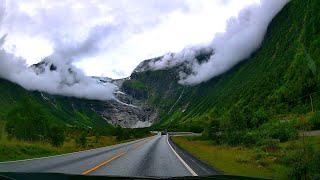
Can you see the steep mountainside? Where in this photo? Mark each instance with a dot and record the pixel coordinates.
(280, 78)
(75, 111)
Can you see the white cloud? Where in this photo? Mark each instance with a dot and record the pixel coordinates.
(243, 35)
(66, 80)
(112, 37)
(121, 33)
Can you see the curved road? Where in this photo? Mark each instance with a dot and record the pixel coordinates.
(149, 157)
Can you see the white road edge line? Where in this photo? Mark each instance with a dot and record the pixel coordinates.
(183, 162)
(70, 153)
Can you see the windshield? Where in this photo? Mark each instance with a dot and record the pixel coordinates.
(160, 89)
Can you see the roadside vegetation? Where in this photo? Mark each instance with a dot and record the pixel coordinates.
(255, 115)
(294, 159)
(260, 147)
(28, 132)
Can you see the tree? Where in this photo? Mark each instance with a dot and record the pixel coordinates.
(28, 121)
(247, 116)
(283, 131)
(56, 136)
(122, 134)
(259, 118)
(214, 129)
(303, 163)
(315, 120)
(82, 139)
(236, 118)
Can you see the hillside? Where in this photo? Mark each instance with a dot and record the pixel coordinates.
(278, 79)
(73, 111)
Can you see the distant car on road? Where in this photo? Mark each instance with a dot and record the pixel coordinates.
(164, 132)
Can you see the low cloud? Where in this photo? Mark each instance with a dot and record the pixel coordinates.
(53, 76)
(243, 35)
(61, 25)
(56, 74)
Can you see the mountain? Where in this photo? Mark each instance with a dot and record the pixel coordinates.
(278, 79)
(74, 111)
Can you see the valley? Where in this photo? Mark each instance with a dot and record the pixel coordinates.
(253, 116)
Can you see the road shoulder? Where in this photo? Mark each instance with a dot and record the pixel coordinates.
(199, 167)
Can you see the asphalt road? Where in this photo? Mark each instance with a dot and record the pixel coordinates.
(149, 157)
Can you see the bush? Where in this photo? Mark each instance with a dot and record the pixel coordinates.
(241, 159)
(236, 118)
(260, 117)
(270, 145)
(2, 125)
(233, 138)
(213, 130)
(247, 115)
(250, 138)
(122, 134)
(283, 131)
(315, 120)
(82, 139)
(303, 163)
(56, 136)
(196, 128)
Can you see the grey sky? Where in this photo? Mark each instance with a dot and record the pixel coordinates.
(111, 37)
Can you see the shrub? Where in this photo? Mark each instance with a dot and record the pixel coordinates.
(260, 117)
(250, 138)
(315, 120)
(122, 134)
(97, 137)
(196, 128)
(214, 130)
(241, 159)
(247, 115)
(262, 162)
(82, 139)
(2, 125)
(236, 118)
(283, 131)
(303, 163)
(233, 138)
(56, 136)
(270, 145)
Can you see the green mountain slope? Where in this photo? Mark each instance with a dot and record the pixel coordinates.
(278, 79)
(66, 110)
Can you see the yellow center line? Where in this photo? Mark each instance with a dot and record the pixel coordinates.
(104, 163)
(115, 157)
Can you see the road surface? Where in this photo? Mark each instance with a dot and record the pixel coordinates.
(149, 157)
(310, 133)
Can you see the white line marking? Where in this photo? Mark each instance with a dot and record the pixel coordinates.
(4, 162)
(183, 162)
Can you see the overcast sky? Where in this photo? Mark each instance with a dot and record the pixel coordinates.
(111, 37)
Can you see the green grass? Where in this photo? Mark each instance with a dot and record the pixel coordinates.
(231, 160)
(313, 141)
(17, 150)
(244, 161)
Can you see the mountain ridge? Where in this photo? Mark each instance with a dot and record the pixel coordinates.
(282, 70)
